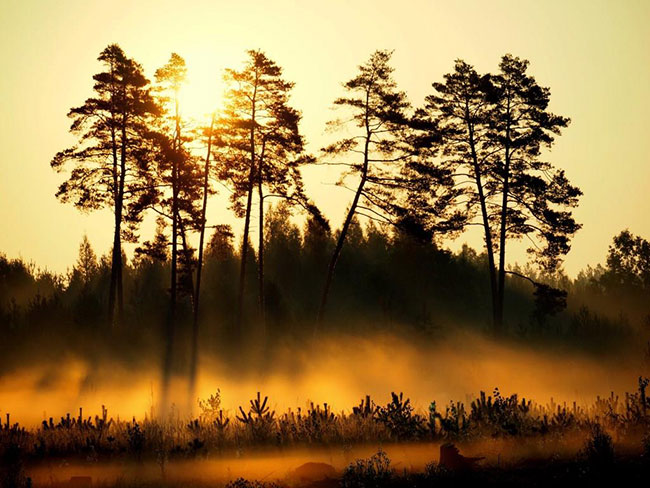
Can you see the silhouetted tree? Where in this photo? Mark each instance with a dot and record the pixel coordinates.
(628, 263)
(260, 146)
(493, 130)
(536, 198)
(178, 172)
(157, 248)
(458, 111)
(199, 265)
(83, 283)
(221, 267)
(377, 112)
(112, 129)
(278, 172)
(283, 245)
(86, 262)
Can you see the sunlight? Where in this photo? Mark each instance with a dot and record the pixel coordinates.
(201, 95)
(203, 92)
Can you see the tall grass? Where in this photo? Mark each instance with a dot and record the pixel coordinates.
(257, 425)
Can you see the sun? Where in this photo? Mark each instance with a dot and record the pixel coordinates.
(200, 97)
(202, 94)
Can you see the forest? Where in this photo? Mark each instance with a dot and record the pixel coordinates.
(473, 155)
(278, 276)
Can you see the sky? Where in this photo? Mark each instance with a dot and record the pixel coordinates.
(592, 54)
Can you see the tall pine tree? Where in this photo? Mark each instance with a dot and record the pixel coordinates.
(110, 163)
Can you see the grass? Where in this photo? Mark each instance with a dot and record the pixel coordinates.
(257, 425)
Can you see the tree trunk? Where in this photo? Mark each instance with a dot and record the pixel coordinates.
(244, 253)
(199, 266)
(188, 255)
(249, 201)
(348, 219)
(175, 191)
(116, 257)
(117, 238)
(485, 219)
(171, 316)
(120, 284)
(504, 223)
(117, 212)
(342, 235)
(260, 257)
(489, 247)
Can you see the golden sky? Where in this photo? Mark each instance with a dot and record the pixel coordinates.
(593, 54)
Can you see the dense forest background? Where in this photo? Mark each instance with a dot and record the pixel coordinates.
(388, 282)
(418, 176)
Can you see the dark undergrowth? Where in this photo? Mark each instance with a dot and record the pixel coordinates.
(256, 426)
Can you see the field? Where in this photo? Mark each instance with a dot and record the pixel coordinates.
(366, 445)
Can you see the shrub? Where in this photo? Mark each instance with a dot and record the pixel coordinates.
(599, 448)
(367, 473)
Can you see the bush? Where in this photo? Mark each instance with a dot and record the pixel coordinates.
(599, 448)
(367, 473)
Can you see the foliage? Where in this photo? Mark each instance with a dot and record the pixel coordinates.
(373, 472)
(399, 418)
(599, 448)
(210, 407)
(114, 139)
(489, 131)
(488, 417)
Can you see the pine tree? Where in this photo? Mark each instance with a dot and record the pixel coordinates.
(113, 140)
(493, 128)
(86, 262)
(458, 110)
(536, 197)
(179, 196)
(260, 147)
(377, 111)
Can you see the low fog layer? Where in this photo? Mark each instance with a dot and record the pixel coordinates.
(337, 370)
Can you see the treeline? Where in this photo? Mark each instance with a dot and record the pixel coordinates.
(390, 282)
(470, 155)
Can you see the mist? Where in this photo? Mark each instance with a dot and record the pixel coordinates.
(338, 370)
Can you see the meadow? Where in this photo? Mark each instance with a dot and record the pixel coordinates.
(510, 432)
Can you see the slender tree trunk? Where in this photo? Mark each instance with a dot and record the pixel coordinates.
(249, 201)
(260, 257)
(244, 253)
(120, 285)
(116, 257)
(348, 220)
(188, 255)
(175, 191)
(342, 235)
(117, 238)
(117, 211)
(199, 266)
(171, 315)
(170, 323)
(489, 247)
(485, 219)
(504, 224)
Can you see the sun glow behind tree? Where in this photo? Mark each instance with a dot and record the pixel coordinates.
(319, 45)
(204, 89)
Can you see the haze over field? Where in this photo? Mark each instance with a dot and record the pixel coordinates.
(338, 371)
